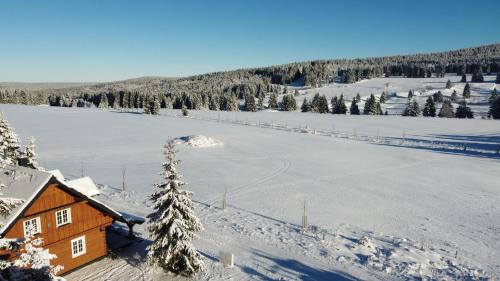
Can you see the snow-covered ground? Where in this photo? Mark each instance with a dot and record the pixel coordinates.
(397, 89)
(387, 197)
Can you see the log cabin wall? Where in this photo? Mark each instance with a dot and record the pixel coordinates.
(85, 220)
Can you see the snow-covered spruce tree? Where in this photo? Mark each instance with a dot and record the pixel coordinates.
(446, 110)
(7, 204)
(412, 108)
(454, 96)
(438, 97)
(494, 101)
(273, 101)
(354, 109)
(464, 78)
(466, 93)
(430, 108)
(498, 78)
(410, 94)
(305, 107)
(463, 111)
(30, 154)
(383, 97)
(173, 223)
(334, 101)
(358, 97)
(371, 107)
(448, 84)
(250, 103)
(9, 143)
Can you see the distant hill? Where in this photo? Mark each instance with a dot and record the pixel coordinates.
(219, 90)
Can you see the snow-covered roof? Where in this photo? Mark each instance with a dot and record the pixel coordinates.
(85, 185)
(20, 183)
(26, 184)
(59, 176)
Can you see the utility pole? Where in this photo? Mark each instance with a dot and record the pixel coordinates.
(124, 177)
(304, 217)
(224, 200)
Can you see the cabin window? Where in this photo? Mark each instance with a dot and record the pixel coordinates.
(78, 246)
(32, 227)
(63, 217)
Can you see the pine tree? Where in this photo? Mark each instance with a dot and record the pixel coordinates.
(430, 108)
(155, 106)
(9, 143)
(493, 100)
(410, 94)
(305, 107)
(354, 109)
(358, 97)
(382, 97)
(463, 111)
(30, 153)
(466, 93)
(438, 96)
(334, 102)
(341, 107)
(477, 77)
(446, 110)
(289, 103)
(103, 101)
(498, 78)
(412, 108)
(464, 78)
(173, 224)
(260, 102)
(371, 106)
(250, 103)
(273, 101)
(454, 96)
(448, 84)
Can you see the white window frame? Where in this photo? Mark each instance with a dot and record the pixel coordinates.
(34, 231)
(83, 244)
(68, 217)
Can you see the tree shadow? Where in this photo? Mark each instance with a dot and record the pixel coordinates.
(292, 268)
(482, 146)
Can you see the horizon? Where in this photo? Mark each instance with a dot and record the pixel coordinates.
(94, 42)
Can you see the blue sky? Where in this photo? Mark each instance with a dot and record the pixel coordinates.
(61, 41)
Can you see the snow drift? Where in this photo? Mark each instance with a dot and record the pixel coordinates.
(198, 141)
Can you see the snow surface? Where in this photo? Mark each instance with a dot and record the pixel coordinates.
(198, 141)
(380, 207)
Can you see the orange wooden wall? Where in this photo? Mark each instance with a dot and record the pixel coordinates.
(85, 220)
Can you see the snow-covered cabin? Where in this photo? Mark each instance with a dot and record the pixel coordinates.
(72, 223)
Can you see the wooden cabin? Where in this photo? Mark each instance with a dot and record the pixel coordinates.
(72, 224)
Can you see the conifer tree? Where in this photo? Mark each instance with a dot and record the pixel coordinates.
(341, 107)
(382, 97)
(173, 224)
(466, 93)
(492, 100)
(412, 108)
(305, 107)
(371, 106)
(446, 110)
(289, 103)
(448, 84)
(497, 81)
(410, 94)
(9, 143)
(379, 109)
(103, 101)
(454, 96)
(334, 102)
(273, 101)
(232, 103)
(358, 97)
(463, 111)
(438, 96)
(30, 153)
(250, 103)
(430, 108)
(464, 78)
(354, 109)
(260, 102)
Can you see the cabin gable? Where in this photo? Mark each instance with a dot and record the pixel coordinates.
(82, 215)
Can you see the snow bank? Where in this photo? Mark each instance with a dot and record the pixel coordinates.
(198, 141)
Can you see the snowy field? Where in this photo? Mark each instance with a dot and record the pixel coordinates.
(397, 90)
(388, 197)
